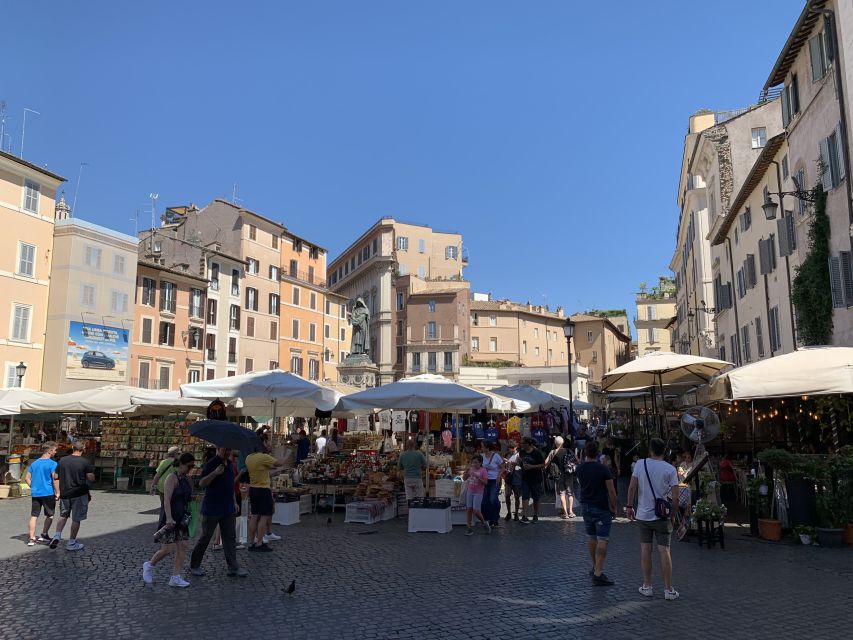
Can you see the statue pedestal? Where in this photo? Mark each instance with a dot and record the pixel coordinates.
(358, 371)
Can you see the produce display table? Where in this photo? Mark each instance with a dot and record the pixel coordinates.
(286, 513)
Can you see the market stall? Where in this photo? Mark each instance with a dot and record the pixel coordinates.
(430, 392)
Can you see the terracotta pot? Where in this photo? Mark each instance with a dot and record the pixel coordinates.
(848, 534)
(770, 529)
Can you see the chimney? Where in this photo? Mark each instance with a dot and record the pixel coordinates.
(62, 210)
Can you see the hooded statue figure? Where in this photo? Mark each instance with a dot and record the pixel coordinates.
(360, 321)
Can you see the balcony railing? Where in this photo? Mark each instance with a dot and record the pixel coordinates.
(155, 384)
(303, 276)
(214, 285)
(235, 289)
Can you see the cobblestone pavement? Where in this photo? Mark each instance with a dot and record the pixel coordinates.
(376, 582)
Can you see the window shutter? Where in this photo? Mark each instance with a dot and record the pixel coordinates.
(795, 96)
(786, 108)
(727, 296)
(774, 339)
(835, 282)
(763, 257)
(826, 178)
(784, 242)
(839, 152)
(814, 51)
(750, 275)
(847, 277)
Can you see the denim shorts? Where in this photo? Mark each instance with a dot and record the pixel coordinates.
(597, 522)
(474, 500)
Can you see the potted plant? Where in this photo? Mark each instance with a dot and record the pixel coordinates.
(759, 498)
(705, 510)
(833, 503)
(804, 534)
(791, 468)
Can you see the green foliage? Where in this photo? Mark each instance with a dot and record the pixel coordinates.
(704, 510)
(811, 288)
(757, 499)
(782, 462)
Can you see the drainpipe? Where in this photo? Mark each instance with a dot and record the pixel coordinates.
(734, 299)
(787, 261)
(767, 311)
(839, 92)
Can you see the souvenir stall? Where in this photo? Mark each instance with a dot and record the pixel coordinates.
(425, 393)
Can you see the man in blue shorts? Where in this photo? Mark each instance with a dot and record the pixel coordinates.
(44, 491)
(598, 497)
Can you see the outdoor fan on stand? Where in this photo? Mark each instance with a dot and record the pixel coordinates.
(699, 425)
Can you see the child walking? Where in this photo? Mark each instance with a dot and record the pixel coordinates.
(477, 478)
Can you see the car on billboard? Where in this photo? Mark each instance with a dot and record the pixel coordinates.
(97, 359)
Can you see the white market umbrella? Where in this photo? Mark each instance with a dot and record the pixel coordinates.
(148, 401)
(112, 398)
(813, 371)
(264, 392)
(10, 405)
(663, 368)
(428, 392)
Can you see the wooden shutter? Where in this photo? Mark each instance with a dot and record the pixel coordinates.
(814, 54)
(786, 108)
(749, 271)
(835, 282)
(839, 153)
(763, 257)
(785, 248)
(727, 295)
(826, 178)
(847, 277)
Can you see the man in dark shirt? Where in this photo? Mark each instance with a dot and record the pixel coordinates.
(598, 497)
(218, 509)
(532, 463)
(74, 473)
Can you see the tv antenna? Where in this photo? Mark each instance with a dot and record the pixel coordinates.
(77, 188)
(135, 219)
(153, 197)
(234, 199)
(24, 128)
(3, 133)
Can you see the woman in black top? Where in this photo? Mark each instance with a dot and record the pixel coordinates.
(174, 518)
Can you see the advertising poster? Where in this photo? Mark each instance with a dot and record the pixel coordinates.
(96, 352)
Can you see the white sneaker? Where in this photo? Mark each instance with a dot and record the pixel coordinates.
(74, 546)
(178, 581)
(647, 591)
(488, 527)
(147, 573)
(240, 546)
(271, 537)
(670, 594)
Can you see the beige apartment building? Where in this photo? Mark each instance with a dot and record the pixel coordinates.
(599, 346)
(90, 319)
(655, 309)
(720, 149)
(27, 209)
(814, 70)
(167, 347)
(525, 335)
(431, 327)
(369, 269)
(757, 319)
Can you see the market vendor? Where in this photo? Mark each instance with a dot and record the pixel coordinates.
(413, 463)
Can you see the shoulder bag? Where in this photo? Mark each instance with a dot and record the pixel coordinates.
(663, 507)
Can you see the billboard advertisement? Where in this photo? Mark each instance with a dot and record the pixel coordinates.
(96, 352)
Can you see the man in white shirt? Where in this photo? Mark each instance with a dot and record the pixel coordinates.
(655, 479)
(321, 443)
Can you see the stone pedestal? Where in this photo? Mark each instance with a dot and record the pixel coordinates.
(358, 371)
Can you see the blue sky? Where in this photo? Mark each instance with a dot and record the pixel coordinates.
(548, 133)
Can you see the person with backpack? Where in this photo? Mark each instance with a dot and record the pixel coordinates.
(562, 465)
(166, 468)
(657, 483)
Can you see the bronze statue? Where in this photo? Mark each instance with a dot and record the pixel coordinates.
(360, 321)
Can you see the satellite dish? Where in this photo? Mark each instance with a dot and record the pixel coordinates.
(700, 424)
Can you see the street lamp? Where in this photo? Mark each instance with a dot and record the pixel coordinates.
(20, 371)
(569, 331)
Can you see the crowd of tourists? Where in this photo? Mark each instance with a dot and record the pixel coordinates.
(582, 471)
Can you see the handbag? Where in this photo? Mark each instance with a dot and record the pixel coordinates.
(663, 507)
